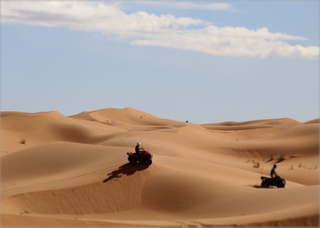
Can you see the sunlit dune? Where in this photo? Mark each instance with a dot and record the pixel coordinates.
(73, 171)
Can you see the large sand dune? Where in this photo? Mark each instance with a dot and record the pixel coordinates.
(73, 171)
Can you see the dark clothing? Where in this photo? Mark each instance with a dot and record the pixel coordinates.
(137, 149)
(273, 172)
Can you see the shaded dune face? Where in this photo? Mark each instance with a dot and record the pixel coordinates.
(119, 191)
(202, 174)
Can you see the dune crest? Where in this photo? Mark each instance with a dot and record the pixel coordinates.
(19, 121)
(126, 116)
(73, 171)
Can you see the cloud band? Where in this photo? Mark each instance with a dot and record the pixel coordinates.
(145, 29)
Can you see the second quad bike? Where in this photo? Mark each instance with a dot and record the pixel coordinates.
(276, 181)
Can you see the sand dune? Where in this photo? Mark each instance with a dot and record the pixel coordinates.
(73, 171)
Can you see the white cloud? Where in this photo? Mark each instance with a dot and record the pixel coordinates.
(142, 28)
(199, 5)
(230, 42)
(211, 6)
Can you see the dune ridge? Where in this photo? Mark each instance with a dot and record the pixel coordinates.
(73, 171)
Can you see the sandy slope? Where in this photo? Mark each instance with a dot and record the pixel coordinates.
(73, 171)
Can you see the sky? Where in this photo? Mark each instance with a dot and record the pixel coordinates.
(201, 61)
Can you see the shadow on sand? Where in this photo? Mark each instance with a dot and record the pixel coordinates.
(126, 169)
(257, 186)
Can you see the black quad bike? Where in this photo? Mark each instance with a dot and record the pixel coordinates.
(145, 158)
(276, 181)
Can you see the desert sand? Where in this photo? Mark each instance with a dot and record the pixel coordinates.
(73, 171)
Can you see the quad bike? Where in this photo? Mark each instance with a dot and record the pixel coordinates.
(145, 158)
(276, 181)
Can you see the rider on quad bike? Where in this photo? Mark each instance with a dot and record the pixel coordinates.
(140, 156)
(273, 172)
(275, 179)
(139, 150)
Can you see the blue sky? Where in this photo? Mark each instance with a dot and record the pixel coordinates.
(202, 61)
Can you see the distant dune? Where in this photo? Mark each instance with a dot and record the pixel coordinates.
(73, 171)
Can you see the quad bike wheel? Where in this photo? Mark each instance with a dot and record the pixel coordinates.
(281, 184)
(132, 160)
(264, 185)
(148, 161)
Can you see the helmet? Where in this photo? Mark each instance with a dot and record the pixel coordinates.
(138, 143)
